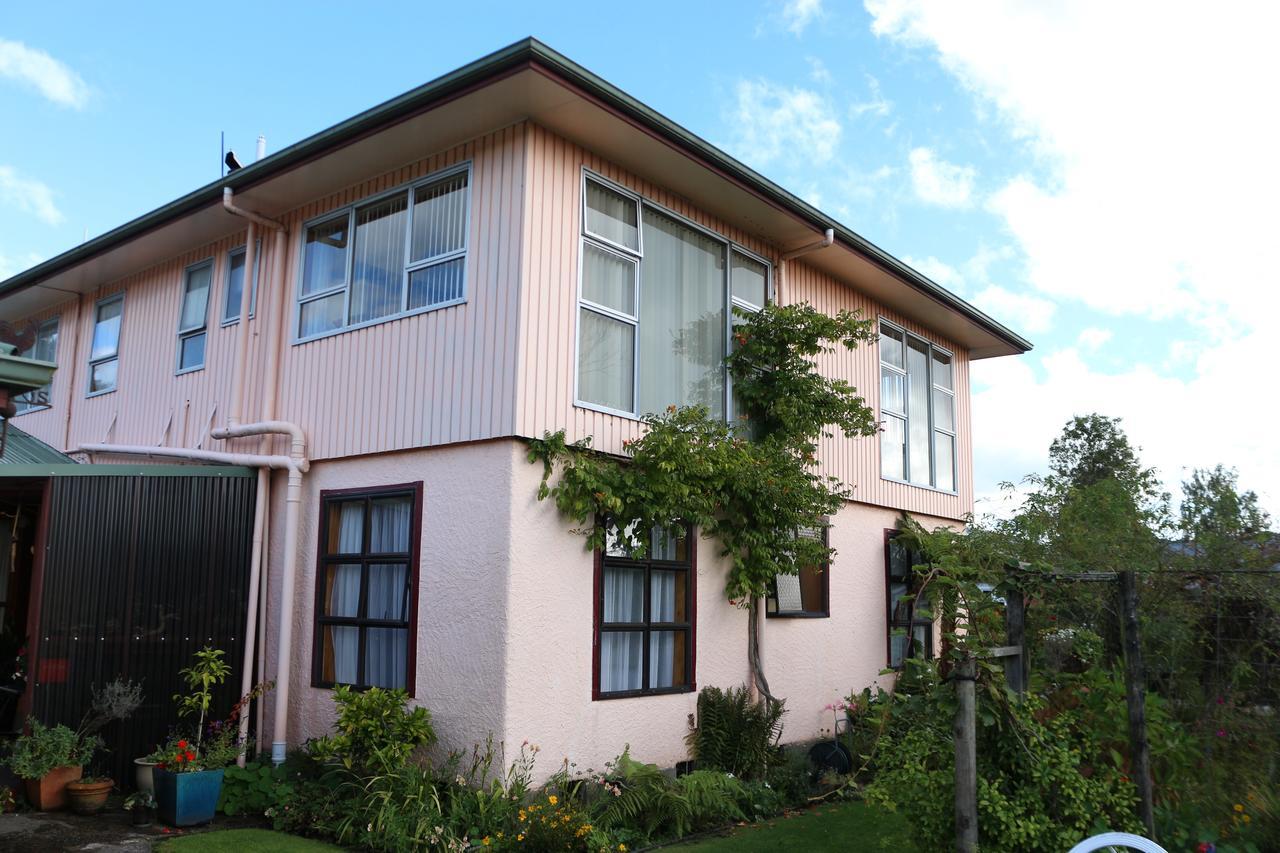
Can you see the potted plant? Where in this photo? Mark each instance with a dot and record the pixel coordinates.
(141, 807)
(144, 772)
(46, 759)
(88, 795)
(117, 700)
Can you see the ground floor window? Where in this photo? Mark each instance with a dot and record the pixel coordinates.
(644, 617)
(807, 593)
(910, 629)
(366, 591)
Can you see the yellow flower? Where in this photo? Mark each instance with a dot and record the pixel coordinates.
(485, 841)
(520, 837)
(1246, 818)
(523, 815)
(622, 848)
(553, 799)
(1238, 807)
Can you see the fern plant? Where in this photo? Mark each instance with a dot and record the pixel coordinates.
(736, 734)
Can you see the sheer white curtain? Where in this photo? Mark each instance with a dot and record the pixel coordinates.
(622, 652)
(344, 594)
(386, 649)
(662, 608)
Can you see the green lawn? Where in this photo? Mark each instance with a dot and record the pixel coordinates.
(241, 840)
(840, 826)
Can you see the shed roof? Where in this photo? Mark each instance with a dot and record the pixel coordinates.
(23, 448)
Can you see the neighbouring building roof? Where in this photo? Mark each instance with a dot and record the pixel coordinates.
(22, 448)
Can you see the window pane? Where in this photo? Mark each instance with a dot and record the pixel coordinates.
(324, 261)
(892, 391)
(345, 527)
(608, 279)
(388, 592)
(439, 217)
(342, 590)
(790, 597)
(339, 650)
(891, 346)
(897, 647)
(944, 453)
(666, 659)
(944, 416)
(665, 546)
(611, 215)
(942, 369)
(623, 594)
(103, 376)
(621, 661)
(918, 410)
(235, 285)
(386, 659)
(191, 353)
(320, 315)
(389, 523)
(606, 359)
(682, 318)
(900, 560)
(377, 275)
(893, 449)
(667, 596)
(106, 330)
(195, 298)
(750, 280)
(436, 284)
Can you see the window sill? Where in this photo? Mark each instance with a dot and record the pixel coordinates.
(188, 370)
(31, 411)
(927, 488)
(233, 321)
(101, 393)
(605, 410)
(798, 614)
(641, 694)
(390, 318)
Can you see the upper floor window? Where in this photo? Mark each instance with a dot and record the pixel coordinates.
(193, 318)
(235, 283)
(394, 255)
(654, 306)
(43, 347)
(917, 407)
(104, 352)
(807, 593)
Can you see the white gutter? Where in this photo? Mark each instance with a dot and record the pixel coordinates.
(249, 460)
(827, 239)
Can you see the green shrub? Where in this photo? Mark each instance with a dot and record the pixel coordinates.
(46, 748)
(375, 730)
(789, 779)
(717, 798)
(734, 733)
(253, 789)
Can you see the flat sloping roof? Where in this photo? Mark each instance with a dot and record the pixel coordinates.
(23, 448)
(526, 80)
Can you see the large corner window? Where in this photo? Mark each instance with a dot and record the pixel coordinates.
(807, 593)
(644, 617)
(397, 254)
(104, 351)
(654, 306)
(366, 594)
(43, 347)
(194, 316)
(917, 411)
(910, 630)
(235, 284)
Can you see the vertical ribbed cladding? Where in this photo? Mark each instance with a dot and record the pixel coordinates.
(140, 572)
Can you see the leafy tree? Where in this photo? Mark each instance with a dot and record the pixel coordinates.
(1226, 528)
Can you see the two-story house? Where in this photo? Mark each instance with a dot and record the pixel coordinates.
(375, 318)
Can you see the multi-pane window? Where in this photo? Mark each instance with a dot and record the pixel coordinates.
(807, 593)
(104, 351)
(43, 347)
(365, 594)
(910, 628)
(654, 306)
(917, 410)
(394, 255)
(193, 318)
(235, 284)
(644, 617)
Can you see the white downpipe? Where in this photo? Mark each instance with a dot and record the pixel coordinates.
(248, 460)
(284, 657)
(298, 443)
(828, 238)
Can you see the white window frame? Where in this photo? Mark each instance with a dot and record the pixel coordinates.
(906, 414)
(231, 320)
(636, 255)
(193, 331)
(349, 212)
(115, 355)
(25, 406)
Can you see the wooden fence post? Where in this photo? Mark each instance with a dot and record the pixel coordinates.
(1016, 669)
(1135, 677)
(966, 739)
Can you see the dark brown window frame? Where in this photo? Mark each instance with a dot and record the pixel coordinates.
(824, 575)
(690, 627)
(910, 623)
(319, 621)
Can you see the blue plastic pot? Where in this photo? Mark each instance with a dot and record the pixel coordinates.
(186, 799)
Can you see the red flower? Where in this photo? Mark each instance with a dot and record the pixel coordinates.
(191, 756)
(178, 758)
(182, 744)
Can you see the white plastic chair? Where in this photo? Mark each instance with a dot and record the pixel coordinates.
(1118, 839)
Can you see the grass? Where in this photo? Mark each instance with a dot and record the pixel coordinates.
(240, 840)
(840, 826)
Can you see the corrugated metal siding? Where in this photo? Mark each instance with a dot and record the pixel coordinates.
(21, 448)
(548, 318)
(139, 573)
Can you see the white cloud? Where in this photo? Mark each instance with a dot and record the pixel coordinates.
(818, 71)
(797, 15)
(28, 195)
(876, 103)
(939, 182)
(1093, 338)
(13, 264)
(939, 271)
(42, 72)
(775, 122)
(1026, 313)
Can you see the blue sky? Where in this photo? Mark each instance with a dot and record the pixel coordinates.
(1100, 178)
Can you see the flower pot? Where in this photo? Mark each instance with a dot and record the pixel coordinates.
(187, 799)
(88, 797)
(142, 815)
(143, 779)
(49, 792)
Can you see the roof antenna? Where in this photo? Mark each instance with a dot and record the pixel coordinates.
(262, 148)
(222, 152)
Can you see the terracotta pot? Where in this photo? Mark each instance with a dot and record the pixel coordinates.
(49, 793)
(88, 797)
